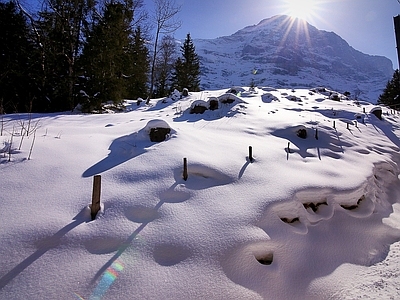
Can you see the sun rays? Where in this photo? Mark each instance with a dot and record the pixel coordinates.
(303, 9)
(299, 14)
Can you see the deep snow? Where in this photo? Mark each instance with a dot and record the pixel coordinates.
(305, 219)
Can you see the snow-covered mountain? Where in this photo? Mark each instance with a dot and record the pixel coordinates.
(286, 52)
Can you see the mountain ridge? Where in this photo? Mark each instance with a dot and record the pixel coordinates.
(287, 52)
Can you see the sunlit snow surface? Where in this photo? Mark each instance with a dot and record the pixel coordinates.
(305, 218)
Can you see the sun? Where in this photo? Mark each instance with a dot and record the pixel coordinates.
(303, 9)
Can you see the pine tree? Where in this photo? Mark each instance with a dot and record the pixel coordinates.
(137, 76)
(60, 28)
(187, 67)
(391, 94)
(106, 56)
(18, 63)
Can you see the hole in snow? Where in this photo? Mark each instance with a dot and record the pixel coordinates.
(265, 259)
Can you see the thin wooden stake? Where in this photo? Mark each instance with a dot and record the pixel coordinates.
(364, 110)
(94, 209)
(348, 126)
(316, 133)
(185, 171)
(288, 147)
(334, 124)
(251, 153)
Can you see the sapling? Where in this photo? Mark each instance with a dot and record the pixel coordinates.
(10, 145)
(33, 142)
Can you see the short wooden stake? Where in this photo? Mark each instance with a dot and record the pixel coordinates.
(364, 110)
(316, 133)
(251, 153)
(348, 126)
(94, 209)
(334, 124)
(185, 171)
(356, 124)
(288, 147)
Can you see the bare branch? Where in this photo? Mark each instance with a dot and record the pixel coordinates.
(165, 12)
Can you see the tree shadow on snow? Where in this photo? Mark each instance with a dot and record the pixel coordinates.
(46, 245)
(387, 128)
(327, 139)
(122, 149)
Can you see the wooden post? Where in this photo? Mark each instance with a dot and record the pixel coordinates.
(348, 126)
(94, 209)
(316, 133)
(364, 110)
(334, 124)
(288, 147)
(185, 171)
(251, 153)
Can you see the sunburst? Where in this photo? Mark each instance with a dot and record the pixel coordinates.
(303, 9)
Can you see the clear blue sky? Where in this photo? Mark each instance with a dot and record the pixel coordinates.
(367, 25)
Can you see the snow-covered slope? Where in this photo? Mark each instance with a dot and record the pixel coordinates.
(315, 214)
(286, 52)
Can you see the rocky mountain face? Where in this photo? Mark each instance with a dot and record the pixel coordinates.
(290, 53)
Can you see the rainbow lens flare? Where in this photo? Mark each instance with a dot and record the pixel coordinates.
(106, 280)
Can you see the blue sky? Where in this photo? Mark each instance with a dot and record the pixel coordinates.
(367, 25)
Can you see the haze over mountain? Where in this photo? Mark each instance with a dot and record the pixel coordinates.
(286, 52)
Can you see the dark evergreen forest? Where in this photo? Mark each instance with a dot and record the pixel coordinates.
(89, 53)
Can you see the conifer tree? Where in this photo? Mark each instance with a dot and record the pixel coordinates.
(391, 94)
(106, 56)
(18, 64)
(137, 75)
(60, 28)
(187, 67)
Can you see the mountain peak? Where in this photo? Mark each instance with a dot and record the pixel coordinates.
(289, 52)
(278, 22)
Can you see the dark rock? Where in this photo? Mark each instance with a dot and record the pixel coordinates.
(159, 134)
(302, 133)
(198, 109)
(214, 104)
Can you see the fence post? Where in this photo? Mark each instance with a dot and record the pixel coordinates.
(94, 209)
(251, 153)
(185, 171)
(316, 133)
(334, 124)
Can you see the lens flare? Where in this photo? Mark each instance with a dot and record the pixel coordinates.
(109, 276)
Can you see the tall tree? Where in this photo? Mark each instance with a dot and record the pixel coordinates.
(60, 29)
(18, 63)
(164, 66)
(137, 76)
(391, 94)
(187, 67)
(165, 12)
(106, 58)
